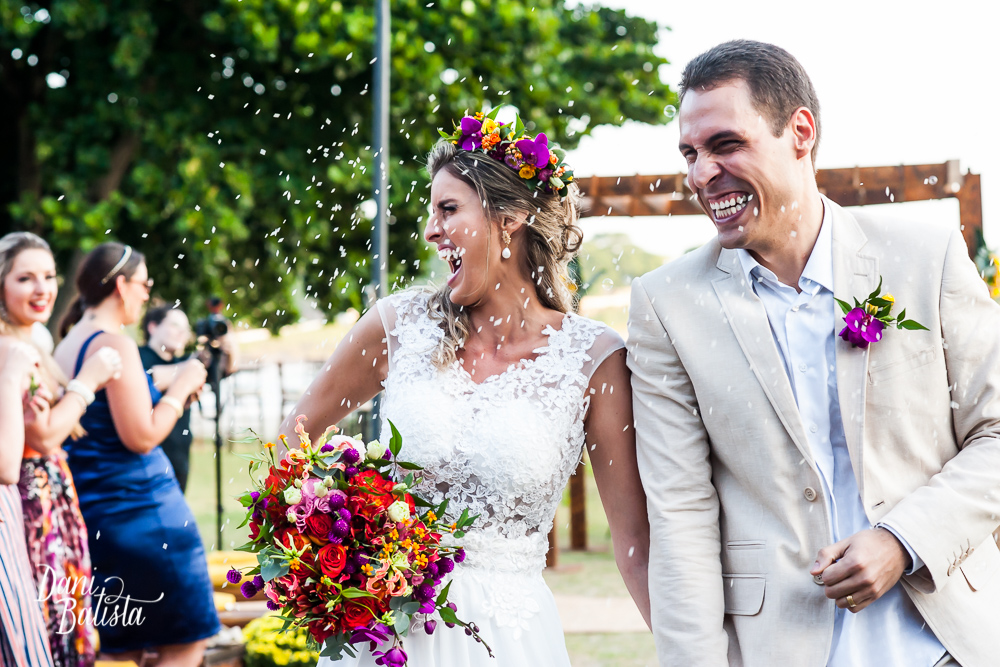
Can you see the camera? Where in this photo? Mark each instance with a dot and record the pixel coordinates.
(215, 326)
(212, 327)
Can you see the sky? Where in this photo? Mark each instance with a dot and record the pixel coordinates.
(898, 83)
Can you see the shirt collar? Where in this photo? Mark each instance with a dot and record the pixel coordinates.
(819, 266)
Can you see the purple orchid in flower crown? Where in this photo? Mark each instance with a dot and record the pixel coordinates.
(472, 133)
(866, 320)
(535, 151)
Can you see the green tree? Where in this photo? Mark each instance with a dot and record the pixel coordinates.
(229, 139)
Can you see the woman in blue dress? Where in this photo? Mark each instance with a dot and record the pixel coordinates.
(152, 591)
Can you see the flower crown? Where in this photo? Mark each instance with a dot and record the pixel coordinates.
(541, 167)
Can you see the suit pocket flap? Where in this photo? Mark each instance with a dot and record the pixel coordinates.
(744, 593)
(981, 567)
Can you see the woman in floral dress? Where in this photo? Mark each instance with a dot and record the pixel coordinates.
(55, 534)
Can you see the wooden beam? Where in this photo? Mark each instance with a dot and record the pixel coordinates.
(667, 194)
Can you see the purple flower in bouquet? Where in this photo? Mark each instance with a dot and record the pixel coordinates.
(341, 528)
(460, 555)
(273, 606)
(423, 593)
(445, 565)
(337, 499)
(862, 328)
(394, 657)
(258, 582)
(234, 576)
(535, 151)
(429, 627)
(376, 634)
(472, 133)
(248, 589)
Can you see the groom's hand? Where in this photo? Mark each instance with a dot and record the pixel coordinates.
(864, 566)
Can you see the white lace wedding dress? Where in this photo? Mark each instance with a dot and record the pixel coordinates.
(504, 448)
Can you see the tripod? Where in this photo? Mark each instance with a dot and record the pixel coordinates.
(215, 382)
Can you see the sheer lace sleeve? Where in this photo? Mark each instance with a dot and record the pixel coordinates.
(401, 313)
(607, 343)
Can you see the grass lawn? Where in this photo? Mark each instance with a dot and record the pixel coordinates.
(591, 573)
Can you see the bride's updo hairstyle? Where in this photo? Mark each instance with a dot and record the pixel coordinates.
(551, 236)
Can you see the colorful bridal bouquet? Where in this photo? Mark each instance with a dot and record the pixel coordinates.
(866, 320)
(343, 550)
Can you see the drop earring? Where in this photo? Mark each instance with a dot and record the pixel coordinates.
(505, 235)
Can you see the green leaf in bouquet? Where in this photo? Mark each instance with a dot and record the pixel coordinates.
(272, 568)
(249, 547)
(420, 502)
(493, 114)
(401, 624)
(408, 480)
(396, 442)
(354, 593)
(911, 325)
(448, 615)
(406, 465)
(844, 306)
(410, 608)
(459, 534)
(246, 520)
(443, 595)
(396, 603)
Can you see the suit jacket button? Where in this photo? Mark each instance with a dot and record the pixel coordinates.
(809, 493)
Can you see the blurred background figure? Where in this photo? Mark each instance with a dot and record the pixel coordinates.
(23, 639)
(128, 493)
(55, 534)
(168, 333)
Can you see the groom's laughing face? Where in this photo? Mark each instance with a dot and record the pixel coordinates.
(743, 175)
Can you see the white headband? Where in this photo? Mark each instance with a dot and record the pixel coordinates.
(118, 267)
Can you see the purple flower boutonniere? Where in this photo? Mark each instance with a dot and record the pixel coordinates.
(867, 319)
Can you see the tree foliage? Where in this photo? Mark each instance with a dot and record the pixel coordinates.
(230, 139)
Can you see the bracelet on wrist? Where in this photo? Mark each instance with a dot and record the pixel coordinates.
(174, 403)
(82, 390)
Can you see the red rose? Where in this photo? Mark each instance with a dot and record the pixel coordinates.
(332, 559)
(357, 614)
(319, 525)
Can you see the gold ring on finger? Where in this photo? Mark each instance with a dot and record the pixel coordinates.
(850, 602)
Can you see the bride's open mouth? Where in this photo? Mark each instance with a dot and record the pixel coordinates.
(454, 258)
(727, 208)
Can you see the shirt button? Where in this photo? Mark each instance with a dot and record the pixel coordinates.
(795, 309)
(813, 428)
(802, 368)
(809, 493)
(818, 579)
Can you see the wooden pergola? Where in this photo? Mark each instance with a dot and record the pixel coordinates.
(668, 195)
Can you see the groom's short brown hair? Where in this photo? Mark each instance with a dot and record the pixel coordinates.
(777, 81)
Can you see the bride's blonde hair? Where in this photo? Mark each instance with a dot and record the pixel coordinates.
(551, 237)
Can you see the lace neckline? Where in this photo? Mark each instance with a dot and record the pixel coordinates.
(521, 365)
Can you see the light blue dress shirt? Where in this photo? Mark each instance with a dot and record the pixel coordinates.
(890, 632)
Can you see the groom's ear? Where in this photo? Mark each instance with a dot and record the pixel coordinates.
(803, 127)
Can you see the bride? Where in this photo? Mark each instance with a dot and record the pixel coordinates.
(496, 387)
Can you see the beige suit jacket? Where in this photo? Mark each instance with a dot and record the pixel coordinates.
(735, 499)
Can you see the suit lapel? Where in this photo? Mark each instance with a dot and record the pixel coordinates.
(854, 275)
(749, 322)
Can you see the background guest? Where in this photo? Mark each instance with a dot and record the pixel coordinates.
(128, 493)
(23, 640)
(167, 334)
(55, 534)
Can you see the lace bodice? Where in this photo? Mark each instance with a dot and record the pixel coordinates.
(504, 448)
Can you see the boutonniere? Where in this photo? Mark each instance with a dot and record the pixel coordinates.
(866, 319)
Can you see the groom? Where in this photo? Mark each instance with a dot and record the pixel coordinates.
(811, 502)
